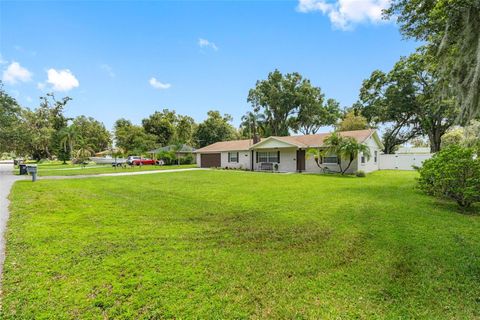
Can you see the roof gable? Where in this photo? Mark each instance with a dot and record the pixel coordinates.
(233, 145)
(303, 141)
(273, 142)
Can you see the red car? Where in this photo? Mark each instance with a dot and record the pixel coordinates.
(137, 161)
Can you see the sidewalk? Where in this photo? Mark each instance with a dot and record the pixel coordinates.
(7, 178)
(100, 175)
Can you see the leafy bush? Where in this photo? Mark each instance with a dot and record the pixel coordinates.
(453, 173)
(188, 159)
(360, 174)
(168, 157)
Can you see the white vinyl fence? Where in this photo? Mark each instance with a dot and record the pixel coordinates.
(401, 161)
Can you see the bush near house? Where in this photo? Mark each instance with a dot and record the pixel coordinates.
(453, 173)
(360, 174)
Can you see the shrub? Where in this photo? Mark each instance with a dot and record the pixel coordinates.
(168, 157)
(452, 173)
(188, 159)
(360, 174)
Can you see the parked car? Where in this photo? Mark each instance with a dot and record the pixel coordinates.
(119, 162)
(137, 161)
(130, 159)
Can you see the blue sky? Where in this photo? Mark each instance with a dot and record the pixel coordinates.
(128, 59)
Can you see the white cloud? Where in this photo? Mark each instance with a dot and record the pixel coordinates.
(108, 70)
(16, 73)
(204, 43)
(159, 85)
(345, 13)
(61, 80)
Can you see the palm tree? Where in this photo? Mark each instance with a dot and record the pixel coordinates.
(350, 148)
(68, 137)
(84, 151)
(254, 123)
(344, 148)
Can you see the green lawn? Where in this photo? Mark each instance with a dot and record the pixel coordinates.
(55, 169)
(224, 244)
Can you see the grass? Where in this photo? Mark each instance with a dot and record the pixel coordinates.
(223, 244)
(58, 169)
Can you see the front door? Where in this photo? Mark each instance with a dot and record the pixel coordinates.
(300, 160)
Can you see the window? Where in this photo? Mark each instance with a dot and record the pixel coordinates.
(330, 160)
(233, 157)
(363, 159)
(271, 156)
(375, 156)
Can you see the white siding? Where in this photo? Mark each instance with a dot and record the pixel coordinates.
(198, 160)
(312, 167)
(243, 160)
(402, 161)
(370, 165)
(288, 159)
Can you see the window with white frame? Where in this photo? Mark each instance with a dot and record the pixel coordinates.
(363, 159)
(330, 160)
(375, 156)
(268, 156)
(233, 157)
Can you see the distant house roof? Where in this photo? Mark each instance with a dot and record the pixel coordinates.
(179, 149)
(412, 150)
(303, 141)
(108, 152)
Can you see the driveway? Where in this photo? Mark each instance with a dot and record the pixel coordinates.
(6, 181)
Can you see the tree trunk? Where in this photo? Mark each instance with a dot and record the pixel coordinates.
(351, 160)
(389, 149)
(435, 138)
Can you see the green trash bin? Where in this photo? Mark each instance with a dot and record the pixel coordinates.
(23, 169)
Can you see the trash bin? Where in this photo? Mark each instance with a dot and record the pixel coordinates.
(23, 169)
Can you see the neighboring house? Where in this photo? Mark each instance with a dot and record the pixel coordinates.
(287, 154)
(413, 150)
(180, 151)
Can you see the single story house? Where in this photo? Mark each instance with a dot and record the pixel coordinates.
(181, 151)
(287, 154)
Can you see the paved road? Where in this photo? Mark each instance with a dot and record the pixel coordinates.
(6, 181)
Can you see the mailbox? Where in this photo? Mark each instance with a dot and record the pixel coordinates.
(32, 170)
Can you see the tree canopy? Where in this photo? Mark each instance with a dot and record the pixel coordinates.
(215, 128)
(450, 30)
(132, 139)
(409, 101)
(352, 121)
(290, 102)
(11, 120)
(170, 128)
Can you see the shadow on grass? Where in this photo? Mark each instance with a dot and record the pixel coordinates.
(450, 205)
